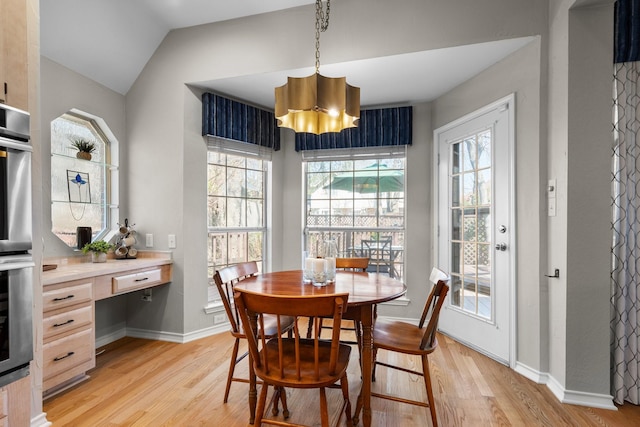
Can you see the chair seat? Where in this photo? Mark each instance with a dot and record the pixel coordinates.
(399, 336)
(307, 377)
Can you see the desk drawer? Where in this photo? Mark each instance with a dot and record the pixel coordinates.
(67, 321)
(141, 280)
(67, 296)
(67, 352)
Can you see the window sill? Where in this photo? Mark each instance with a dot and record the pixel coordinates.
(213, 307)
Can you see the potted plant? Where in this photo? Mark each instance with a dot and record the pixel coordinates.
(84, 147)
(98, 250)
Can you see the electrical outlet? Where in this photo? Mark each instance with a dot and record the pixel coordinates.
(146, 295)
(219, 318)
(172, 241)
(149, 240)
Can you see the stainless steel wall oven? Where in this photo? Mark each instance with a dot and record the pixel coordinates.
(16, 262)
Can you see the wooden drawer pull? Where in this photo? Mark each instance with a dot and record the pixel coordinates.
(57, 359)
(141, 280)
(64, 298)
(55, 325)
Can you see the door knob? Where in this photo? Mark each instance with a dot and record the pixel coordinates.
(501, 246)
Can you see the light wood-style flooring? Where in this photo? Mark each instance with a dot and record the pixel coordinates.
(141, 382)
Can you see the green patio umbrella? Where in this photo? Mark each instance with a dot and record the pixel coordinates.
(371, 179)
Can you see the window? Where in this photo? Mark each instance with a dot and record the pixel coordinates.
(82, 194)
(236, 193)
(358, 202)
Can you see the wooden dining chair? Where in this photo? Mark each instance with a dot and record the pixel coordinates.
(407, 338)
(225, 279)
(296, 362)
(358, 264)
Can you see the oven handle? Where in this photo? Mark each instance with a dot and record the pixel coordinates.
(16, 262)
(11, 143)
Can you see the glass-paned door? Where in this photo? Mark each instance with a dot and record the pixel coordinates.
(475, 228)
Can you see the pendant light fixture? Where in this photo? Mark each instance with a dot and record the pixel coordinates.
(318, 104)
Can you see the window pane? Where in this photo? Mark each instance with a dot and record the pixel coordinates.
(255, 246)
(254, 184)
(255, 164)
(484, 149)
(236, 212)
(469, 154)
(236, 186)
(217, 212)
(469, 195)
(254, 213)
(456, 158)
(216, 182)
(214, 157)
(237, 249)
(484, 187)
(236, 161)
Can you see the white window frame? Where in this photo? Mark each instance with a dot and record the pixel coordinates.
(370, 153)
(229, 147)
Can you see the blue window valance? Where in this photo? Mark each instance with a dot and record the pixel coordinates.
(226, 118)
(377, 128)
(627, 31)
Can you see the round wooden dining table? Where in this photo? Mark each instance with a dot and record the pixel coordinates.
(365, 291)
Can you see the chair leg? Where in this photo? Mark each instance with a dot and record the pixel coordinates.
(324, 412)
(320, 330)
(374, 364)
(358, 329)
(261, 405)
(275, 401)
(310, 327)
(232, 368)
(345, 395)
(283, 399)
(427, 383)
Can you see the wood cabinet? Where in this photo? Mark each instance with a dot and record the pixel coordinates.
(69, 336)
(69, 296)
(15, 400)
(13, 54)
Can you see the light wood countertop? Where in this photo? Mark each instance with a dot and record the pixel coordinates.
(80, 267)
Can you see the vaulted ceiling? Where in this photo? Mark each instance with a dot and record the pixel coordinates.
(119, 36)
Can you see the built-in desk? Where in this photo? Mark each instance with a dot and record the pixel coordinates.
(69, 294)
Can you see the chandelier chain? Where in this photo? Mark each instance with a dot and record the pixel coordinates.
(322, 23)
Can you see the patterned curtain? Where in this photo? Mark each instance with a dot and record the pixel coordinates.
(625, 279)
(626, 228)
(229, 119)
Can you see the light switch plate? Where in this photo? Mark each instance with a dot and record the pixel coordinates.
(149, 240)
(172, 241)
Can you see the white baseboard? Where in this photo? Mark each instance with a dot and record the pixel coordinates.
(40, 421)
(159, 335)
(572, 397)
(532, 374)
(111, 337)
